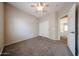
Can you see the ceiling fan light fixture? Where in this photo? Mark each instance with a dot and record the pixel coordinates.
(40, 6)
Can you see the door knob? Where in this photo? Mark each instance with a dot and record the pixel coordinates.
(72, 32)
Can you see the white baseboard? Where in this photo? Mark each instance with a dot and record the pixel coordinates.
(13, 42)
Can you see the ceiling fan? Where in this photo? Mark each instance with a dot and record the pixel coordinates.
(40, 6)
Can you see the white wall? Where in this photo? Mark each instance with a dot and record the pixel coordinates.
(1, 27)
(48, 26)
(71, 24)
(44, 27)
(53, 26)
(19, 25)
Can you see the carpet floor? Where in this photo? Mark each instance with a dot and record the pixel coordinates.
(38, 46)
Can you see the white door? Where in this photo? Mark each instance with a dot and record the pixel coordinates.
(71, 28)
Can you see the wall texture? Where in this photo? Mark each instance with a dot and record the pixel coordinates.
(1, 27)
(19, 25)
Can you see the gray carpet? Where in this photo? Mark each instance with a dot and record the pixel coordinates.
(38, 46)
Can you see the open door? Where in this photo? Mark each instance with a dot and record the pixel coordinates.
(72, 29)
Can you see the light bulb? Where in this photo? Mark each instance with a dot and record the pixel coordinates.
(40, 8)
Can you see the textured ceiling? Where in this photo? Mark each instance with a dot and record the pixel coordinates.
(53, 7)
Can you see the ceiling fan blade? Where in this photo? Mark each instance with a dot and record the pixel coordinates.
(45, 5)
(41, 3)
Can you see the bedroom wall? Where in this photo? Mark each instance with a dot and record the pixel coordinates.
(53, 26)
(44, 27)
(1, 27)
(19, 25)
(48, 26)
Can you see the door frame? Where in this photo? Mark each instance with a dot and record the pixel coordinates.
(65, 14)
(76, 32)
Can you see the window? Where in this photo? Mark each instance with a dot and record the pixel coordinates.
(65, 27)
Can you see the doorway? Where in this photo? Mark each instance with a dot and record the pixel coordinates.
(63, 29)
